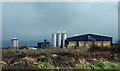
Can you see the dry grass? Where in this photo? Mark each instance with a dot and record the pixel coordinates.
(56, 57)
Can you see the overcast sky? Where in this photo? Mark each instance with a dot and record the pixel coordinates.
(35, 21)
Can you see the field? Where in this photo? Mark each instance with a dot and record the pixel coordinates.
(60, 59)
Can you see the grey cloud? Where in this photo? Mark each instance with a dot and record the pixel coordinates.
(32, 21)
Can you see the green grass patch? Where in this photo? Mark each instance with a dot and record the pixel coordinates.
(45, 65)
(100, 65)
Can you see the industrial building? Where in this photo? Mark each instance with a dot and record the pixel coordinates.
(43, 45)
(15, 42)
(58, 39)
(88, 40)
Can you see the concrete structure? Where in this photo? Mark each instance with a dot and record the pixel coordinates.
(54, 40)
(63, 38)
(59, 39)
(15, 43)
(89, 40)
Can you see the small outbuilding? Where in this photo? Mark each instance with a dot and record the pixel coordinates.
(33, 47)
(89, 40)
(43, 45)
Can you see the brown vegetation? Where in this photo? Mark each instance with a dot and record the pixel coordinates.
(62, 58)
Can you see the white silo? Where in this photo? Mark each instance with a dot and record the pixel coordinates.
(59, 39)
(54, 40)
(63, 38)
(15, 42)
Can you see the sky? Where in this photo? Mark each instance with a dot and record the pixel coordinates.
(59, 0)
(33, 22)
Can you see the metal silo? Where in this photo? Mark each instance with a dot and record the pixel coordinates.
(15, 42)
(59, 39)
(63, 38)
(54, 40)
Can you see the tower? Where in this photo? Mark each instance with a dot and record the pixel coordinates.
(59, 39)
(63, 39)
(53, 40)
(15, 42)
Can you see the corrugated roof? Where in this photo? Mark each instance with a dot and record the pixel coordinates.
(85, 38)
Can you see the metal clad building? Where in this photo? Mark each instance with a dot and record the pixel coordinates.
(89, 40)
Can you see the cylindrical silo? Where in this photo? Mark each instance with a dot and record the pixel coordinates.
(15, 42)
(54, 40)
(59, 39)
(63, 38)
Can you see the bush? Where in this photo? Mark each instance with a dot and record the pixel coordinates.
(98, 48)
(100, 65)
(43, 59)
(111, 65)
(23, 47)
(12, 48)
(92, 66)
(45, 65)
(94, 48)
(115, 49)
